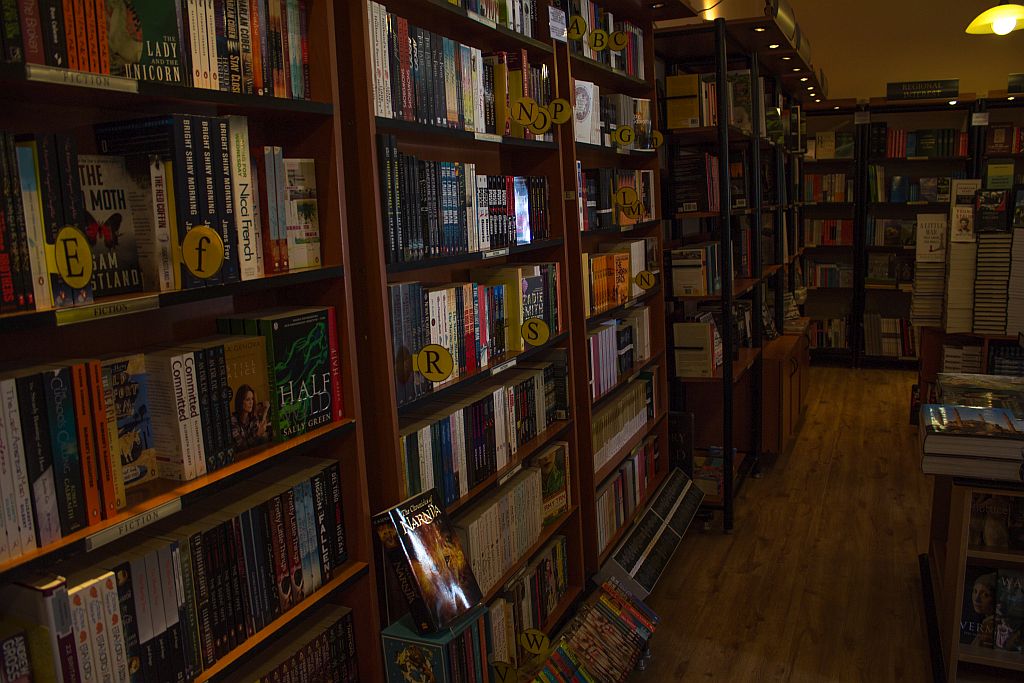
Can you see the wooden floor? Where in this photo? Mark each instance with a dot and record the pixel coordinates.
(819, 581)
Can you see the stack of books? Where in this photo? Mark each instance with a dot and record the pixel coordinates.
(1006, 359)
(991, 282)
(964, 358)
(892, 337)
(617, 421)
(1015, 293)
(929, 270)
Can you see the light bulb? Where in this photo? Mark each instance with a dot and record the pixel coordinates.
(1003, 25)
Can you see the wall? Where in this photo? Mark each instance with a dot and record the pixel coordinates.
(863, 44)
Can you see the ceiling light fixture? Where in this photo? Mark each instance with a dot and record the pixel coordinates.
(786, 59)
(796, 69)
(803, 79)
(773, 46)
(760, 29)
(1011, 98)
(836, 107)
(952, 102)
(1000, 20)
(817, 100)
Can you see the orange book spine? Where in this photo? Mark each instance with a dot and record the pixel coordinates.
(71, 34)
(102, 39)
(81, 33)
(103, 451)
(86, 443)
(256, 33)
(92, 45)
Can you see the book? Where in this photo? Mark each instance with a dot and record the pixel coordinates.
(129, 423)
(423, 550)
(303, 223)
(1009, 611)
(981, 432)
(250, 401)
(978, 613)
(443, 656)
(990, 515)
(145, 41)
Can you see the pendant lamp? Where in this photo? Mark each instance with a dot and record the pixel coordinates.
(1001, 19)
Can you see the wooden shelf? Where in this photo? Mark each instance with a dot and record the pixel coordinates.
(497, 366)
(592, 150)
(35, 83)
(567, 601)
(829, 162)
(608, 79)
(1005, 555)
(522, 453)
(626, 379)
(420, 133)
(740, 286)
(915, 206)
(163, 497)
(740, 365)
(546, 534)
(106, 309)
(596, 319)
(621, 532)
(612, 465)
(706, 135)
(713, 214)
(350, 571)
(621, 231)
(770, 270)
(827, 205)
(469, 258)
(897, 160)
(990, 657)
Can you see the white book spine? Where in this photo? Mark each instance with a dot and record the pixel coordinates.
(16, 458)
(169, 580)
(375, 66)
(472, 226)
(155, 254)
(245, 206)
(168, 407)
(11, 534)
(152, 577)
(195, 460)
(85, 644)
(257, 218)
(140, 595)
(478, 91)
(107, 585)
(387, 25)
(196, 19)
(96, 613)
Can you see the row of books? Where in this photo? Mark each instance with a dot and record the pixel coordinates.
(176, 601)
(697, 346)
(615, 346)
(79, 436)
(826, 188)
(692, 100)
(892, 337)
(605, 639)
(516, 15)
(477, 322)
(1005, 359)
(821, 275)
(1015, 288)
(252, 47)
(902, 188)
(962, 358)
(696, 269)
(899, 143)
(609, 277)
(458, 653)
(694, 181)
(890, 232)
(626, 489)
(516, 509)
(992, 615)
(991, 281)
(457, 446)
(829, 333)
(428, 78)
(130, 214)
(830, 144)
(596, 197)
(599, 115)
(963, 440)
(441, 208)
(1004, 138)
(618, 420)
(630, 60)
(320, 646)
(828, 232)
(527, 601)
(888, 268)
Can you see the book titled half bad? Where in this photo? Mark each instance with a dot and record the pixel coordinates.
(432, 570)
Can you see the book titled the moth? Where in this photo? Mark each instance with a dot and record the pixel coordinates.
(424, 551)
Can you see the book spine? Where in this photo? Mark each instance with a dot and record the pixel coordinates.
(86, 443)
(222, 403)
(194, 19)
(407, 581)
(233, 45)
(337, 408)
(304, 45)
(262, 533)
(188, 617)
(31, 32)
(247, 573)
(303, 527)
(204, 390)
(73, 209)
(213, 52)
(113, 624)
(245, 45)
(281, 203)
(225, 195)
(291, 530)
(207, 182)
(234, 588)
(91, 36)
(282, 566)
(220, 65)
(100, 633)
(38, 462)
(201, 584)
(102, 38)
(218, 603)
(84, 644)
(51, 14)
(18, 262)
(256, 40)
(320, 525)
(336, 517)
(96, 415)
(66, 461)
(13, 48)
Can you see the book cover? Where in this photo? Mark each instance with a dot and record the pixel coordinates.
(989, 521)
(1017, 209)
(131, 435)
(553, 463)
(413, 656)
(113, 199)
(991, 211)
(433, 573)
(1009, 619)
(962, 229)
(145, 41)
(302, 214)
(250, 405)
(931, 237)
(15, 664)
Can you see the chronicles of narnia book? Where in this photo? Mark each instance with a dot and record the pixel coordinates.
(433, 572)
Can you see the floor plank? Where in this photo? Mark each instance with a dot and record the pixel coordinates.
(819, 581)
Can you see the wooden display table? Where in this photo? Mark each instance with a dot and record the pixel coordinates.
(949, 554)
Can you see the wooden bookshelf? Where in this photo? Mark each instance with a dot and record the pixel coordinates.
(40, 99)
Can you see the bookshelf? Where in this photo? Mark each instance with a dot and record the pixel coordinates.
(54, 100)
(752, 224)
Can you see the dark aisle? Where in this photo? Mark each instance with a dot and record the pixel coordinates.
(819, 581)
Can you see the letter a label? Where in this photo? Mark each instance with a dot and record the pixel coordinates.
(74, 257)
(202, 250)
(435, 362)
(577, 27)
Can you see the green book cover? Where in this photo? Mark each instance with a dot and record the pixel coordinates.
(145, 40)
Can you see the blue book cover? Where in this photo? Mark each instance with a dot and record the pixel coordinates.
(302, 526)
(899, 189)
(67, 465)
(313, 547)
(412, 656)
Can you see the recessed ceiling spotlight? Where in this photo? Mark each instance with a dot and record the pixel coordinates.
(817, 100)
(810, 87)
(796, 69)
(1011, 98)
(802, 80)
(773, 46)
(786, 59)
(760, 29)
(835, 107)
(952, 102)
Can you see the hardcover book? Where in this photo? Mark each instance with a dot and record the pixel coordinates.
(1009, 619)
(302, 215)
(251, 417)
(553, 463)
(114, 201)
(432, 570)
(412, 656)
(145, 40)
(977, 616)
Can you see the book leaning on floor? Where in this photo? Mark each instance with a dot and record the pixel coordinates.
(972, 442)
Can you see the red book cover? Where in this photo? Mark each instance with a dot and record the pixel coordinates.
(81, 35)
(31, 31)
(263, 161)
(405, 70)
(99, 421)
(71, 34)
(102, 46)
(338, 408)
(286, 71)
(86, 443)
(92, 36)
